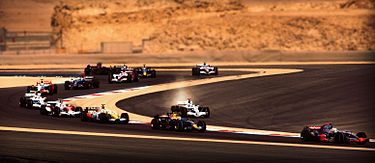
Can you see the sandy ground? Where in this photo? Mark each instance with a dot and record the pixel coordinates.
(18, 81)
(170, 26)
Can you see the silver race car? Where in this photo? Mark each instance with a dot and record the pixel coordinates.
(32, 100)
(188, 109)
(60, 109)
(44, 87)
(204, 69)
(122, 74)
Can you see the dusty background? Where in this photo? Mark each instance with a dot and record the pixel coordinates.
(174, 26)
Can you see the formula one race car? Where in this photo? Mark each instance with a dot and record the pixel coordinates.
(204, 69)
(100, 114)
(188, 109)
(146, 72)
(86, 82)
(32, 100)
(98, 69)
(172, 121)
(326, 133)
(60, 109)
(44, 87)
(122, 74)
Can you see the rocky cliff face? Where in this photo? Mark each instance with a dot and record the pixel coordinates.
(164, 26)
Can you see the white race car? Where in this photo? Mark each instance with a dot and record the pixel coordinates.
(100, 114)
(32, 100)
(188, 109)
(60, 109)
(204, 69)
(122, 74)
(44, 87)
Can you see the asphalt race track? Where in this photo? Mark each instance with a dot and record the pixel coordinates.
(339, 93)
(342, 94)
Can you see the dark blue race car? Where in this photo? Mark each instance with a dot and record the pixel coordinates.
(86, 82)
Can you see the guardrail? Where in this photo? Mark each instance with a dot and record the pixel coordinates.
(24, 40)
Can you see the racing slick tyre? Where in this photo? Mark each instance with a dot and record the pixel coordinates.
(361, 135)
(201, 126)
(22, 101)
(51, 90)
(78, 109)
(29, 104)
(103, 118)
(183, 112)
(216, 71)
(129, 79)
(153, 74)
(28, 89)
(67, 85)
(339, 138)
(84, 117)
(54, 89)
(155, 124)
(125, 116)
(135, 76)
(95, 83)
(43, 110)
(56, 112)
(206, 110)
(305, 134)
(110, 78)
(195, 71)
(180, 126)
(174, 109)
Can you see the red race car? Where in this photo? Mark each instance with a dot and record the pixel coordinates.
(44, 87)
(326, 133)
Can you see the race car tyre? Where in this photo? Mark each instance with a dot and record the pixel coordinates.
(180, 126)
(202, 126)
(129, 78)
(55, 88)
(153, 74)
(56, 112)
(110, 78)
(125, 116)
(29, 104)
(136, 78)
(22, 101)
(43, 110)
(174, 109)
(195, 72)
(84, 116)
(28, 89)
(305, 134)
(103, 118)
(216, 71)
(361, 135)
(50, 90)
(172, 125)
(67, 85)
(207, 110)
(183, 112)
(155, 124)
(95, 83)
(339, 138)
(78, 108)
